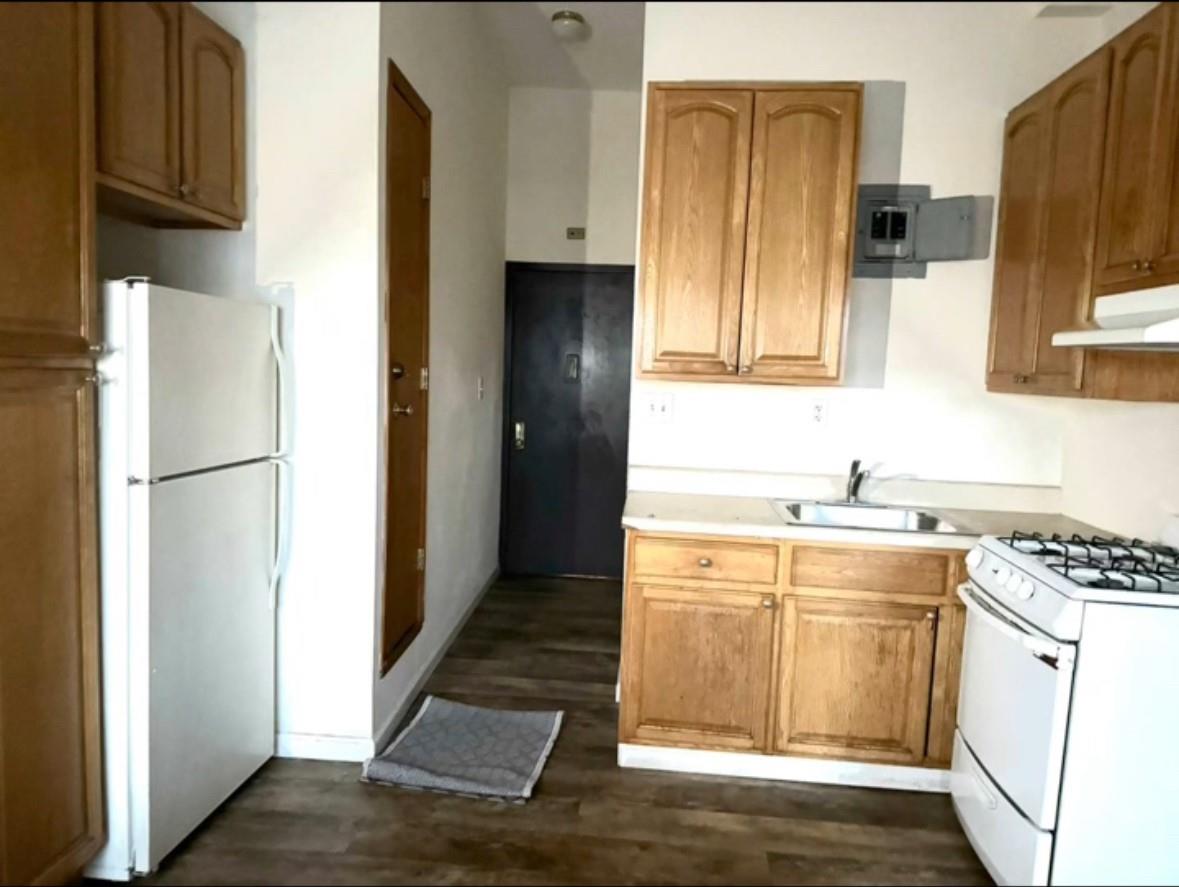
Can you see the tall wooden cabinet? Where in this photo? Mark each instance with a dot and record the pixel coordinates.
(748, 210)
(171, 116)
(1089, 206)
(1052, 153)
(50, 767)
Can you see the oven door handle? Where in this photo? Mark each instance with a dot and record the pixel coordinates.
(1047, 651)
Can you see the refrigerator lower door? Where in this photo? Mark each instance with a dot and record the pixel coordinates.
(202, 548)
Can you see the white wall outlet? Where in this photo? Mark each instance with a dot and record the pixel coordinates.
(817, 412)
(658, 407)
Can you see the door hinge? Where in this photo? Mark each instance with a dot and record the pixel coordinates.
(421, 558)
(425, 188)
(425, 379)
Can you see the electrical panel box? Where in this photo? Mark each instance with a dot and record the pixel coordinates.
(900, 227)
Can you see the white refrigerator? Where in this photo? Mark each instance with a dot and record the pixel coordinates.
(191, 476)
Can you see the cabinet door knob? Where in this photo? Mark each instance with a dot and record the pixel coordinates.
(1148, 265)
(1136, 265)
(705, 562)
(747, 369)
(184, 190)
(768, 603)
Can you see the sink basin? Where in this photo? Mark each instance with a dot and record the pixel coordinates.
(862, 517)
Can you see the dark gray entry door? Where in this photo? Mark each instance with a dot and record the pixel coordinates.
(566, 418)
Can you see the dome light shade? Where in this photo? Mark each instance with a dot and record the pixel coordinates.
(569, 26)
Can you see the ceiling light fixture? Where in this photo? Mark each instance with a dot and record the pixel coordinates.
(569, 26)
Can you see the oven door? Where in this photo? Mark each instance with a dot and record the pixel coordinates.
(1013, 704)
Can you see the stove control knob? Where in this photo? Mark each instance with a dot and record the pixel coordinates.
(1013, 584)
(1026, 590)
(974, 557)
(1002, 574)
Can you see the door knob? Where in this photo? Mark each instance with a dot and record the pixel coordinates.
(402, 410)
(396, 370)
(705, 562)
(518, 436)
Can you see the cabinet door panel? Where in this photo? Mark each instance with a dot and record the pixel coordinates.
(213, 115)
(1017, 256)
(697, 178)
(855, 680)
(696, 667)
(1130, 179)
(139, 93)
(801, 204)
(46, 188)
(50, 769)
(1076, 114)
(1166, 249)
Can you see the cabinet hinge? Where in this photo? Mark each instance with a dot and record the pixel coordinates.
(425, 188)
(425, 379)
(421, 558)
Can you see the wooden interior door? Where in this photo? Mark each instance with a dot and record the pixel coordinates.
(706, 680)
(855, 679)
(1018, 262)
(696, 185)
(46, 188)
(138, 100)
(213, 85)
(1132, 176)
(407, 166)
(802, 196)
(51, 818)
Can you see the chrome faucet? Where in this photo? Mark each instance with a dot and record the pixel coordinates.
(855, 478)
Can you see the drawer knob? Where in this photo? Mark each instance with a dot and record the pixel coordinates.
(705, 562)
(768, 603)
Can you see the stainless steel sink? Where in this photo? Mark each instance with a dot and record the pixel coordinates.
(862, 517)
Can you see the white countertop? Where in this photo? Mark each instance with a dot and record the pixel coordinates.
(750, 516)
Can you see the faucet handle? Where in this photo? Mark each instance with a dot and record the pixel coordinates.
(855, 468)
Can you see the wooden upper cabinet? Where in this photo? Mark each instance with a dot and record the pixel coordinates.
(46, 187)
(697, 180)
(139, 93)
(1132, 185)
(855, 679)
(213, 107)
(51, 820)
(171, 116)
(1053, 145)
(798, 245)
(697, 667)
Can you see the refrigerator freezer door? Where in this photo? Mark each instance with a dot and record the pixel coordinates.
(203, 381)
(204, 546)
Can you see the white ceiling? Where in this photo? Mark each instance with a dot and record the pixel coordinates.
(612, 57)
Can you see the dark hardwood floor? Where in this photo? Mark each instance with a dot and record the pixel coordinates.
(554, 644)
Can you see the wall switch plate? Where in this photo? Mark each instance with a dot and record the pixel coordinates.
(658, 407)
(575, 234)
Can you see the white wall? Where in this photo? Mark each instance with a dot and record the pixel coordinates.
(933, 419)
(445, 54)
(573, 161)
(317, 209)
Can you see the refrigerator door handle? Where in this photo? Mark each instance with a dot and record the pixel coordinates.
(282, 548)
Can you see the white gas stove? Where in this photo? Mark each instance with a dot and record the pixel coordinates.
(1064, 769)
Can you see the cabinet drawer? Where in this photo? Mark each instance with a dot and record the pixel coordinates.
(716, 561)
(866, 569)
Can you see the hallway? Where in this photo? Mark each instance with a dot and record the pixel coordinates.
(546, 643)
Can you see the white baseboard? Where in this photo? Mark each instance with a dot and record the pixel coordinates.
(390, 724)
(315, 747)
(782, 767)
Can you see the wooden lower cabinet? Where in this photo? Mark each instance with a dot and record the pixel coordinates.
(697, 667)
(50, 766)
(852, 653)
(855, 679)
